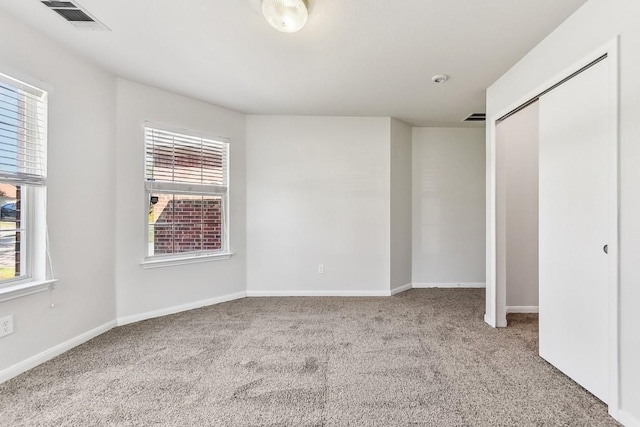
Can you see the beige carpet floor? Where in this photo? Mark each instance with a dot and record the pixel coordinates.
(421, 358)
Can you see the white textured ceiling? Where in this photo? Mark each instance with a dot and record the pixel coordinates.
(354, 57)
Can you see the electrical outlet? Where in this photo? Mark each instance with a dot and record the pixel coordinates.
(6, 325)
(320, 268)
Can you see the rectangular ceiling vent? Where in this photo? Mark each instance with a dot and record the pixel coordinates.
(75, 14)
(476, 117)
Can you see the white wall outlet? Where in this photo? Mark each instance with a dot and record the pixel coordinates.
(320, 268)
(6, 325)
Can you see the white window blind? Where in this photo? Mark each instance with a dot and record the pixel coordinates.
(185, 163)
(23, 126)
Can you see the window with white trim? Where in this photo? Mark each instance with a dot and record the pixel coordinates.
(186, 183)
(23, 134)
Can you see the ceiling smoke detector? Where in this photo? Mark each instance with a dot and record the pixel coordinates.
(439, 79)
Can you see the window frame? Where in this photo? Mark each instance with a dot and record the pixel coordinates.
(176, 188)
(38, 275)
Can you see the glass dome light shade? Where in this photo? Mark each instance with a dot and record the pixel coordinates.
(287, 16)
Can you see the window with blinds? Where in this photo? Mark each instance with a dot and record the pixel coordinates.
(23, 130)
(186, 181)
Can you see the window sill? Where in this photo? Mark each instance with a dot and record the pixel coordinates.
(191, 259)
(24, 289)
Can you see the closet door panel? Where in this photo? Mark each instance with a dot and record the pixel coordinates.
(574, 227)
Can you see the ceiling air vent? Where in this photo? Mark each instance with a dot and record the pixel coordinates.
(77, 16)
(476, 117)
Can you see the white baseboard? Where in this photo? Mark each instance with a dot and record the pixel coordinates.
(401, 289)
(525, 309)
(449, 285)
(251, 294)
(38, 359)
(628, 420)
(179, 308)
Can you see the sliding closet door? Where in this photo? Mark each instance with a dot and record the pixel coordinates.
(574, 227)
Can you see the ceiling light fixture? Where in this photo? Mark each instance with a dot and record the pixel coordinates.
(287, 16)
(440, 78)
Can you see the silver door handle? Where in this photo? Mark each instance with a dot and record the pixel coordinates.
(606, 249)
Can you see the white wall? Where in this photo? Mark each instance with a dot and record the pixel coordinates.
(595, 24)
(518, 137)
(81, 195)
(400, 204)
(318, 193)
(141, 292)
(448, 206)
